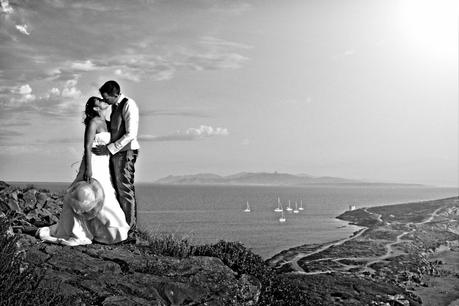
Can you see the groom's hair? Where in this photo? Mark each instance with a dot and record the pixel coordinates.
(111, 88)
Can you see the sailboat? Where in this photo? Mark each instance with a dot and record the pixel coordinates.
(279, 206)
(282, 218)
(301, 206)
(295, 211)
(289, 208)
(248, 208)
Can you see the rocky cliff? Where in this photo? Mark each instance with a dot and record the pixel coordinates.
(123, 274)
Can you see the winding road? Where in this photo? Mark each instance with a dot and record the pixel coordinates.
(370, 260)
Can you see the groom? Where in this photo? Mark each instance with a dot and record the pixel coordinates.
(123, 147)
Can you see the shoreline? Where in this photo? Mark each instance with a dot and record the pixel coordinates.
(403, 254)
(413, 245)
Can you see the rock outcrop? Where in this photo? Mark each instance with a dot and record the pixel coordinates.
(122, 274)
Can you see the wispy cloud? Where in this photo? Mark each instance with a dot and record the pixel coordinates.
(34, 148)
(203, 131)
(62, 140)
(13, 19)
(175, 112)
(99, 6)
(233, 7)
(218, 42)
(207, 131)
(56, 102)
(214, 53)
(40, 74)
(86, 65)
(207, 53)
(6, 134)
(6, 7)
(215, 61)
(23, 29)
(128, 75)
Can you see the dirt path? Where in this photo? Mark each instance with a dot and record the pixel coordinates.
(294, 261)
(370, 260)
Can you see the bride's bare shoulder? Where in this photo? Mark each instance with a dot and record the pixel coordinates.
(99, 124)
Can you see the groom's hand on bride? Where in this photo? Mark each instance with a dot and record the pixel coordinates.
(100, 150)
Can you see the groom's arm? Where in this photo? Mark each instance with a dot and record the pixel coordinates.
(131, 121)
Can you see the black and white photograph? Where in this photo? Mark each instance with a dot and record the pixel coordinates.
(229, 152)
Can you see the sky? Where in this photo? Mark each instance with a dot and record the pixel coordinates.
(359, 89)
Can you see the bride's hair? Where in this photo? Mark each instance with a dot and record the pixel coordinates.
(89, 111)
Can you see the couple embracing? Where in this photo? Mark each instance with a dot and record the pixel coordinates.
(100, 204)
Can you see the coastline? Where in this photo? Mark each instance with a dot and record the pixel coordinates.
(403, 254)
(413, 245)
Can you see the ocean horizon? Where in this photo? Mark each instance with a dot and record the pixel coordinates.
(209, 213)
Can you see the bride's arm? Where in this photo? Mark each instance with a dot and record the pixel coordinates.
(89, 133)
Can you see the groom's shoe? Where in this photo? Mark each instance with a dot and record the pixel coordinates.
(129, 240)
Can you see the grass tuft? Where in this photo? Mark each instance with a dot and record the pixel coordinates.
(275, 289)
(168, 244)
(19, 283)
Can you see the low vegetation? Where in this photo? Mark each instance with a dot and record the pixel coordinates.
(275, 289)
(19, 284)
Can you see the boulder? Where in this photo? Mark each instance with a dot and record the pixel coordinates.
(3, 185)
(130, 274)
(29, 199)
(13, 205)
(41, 199)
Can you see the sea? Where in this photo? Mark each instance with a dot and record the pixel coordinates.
(207, 214)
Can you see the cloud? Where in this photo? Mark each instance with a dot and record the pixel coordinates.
(23, 29)
(13, 19)
(6, 134)
(6, 7)
(207, 131)
(177, 112)
(215, 53)
(172, 137)
(127, 75)
(216, 61)
(83, 66)
(55, 91)
(203, 131)
(69, 90)
(206, 53)
(231, 7)
(14, 149)
(24, 89)
(92, 6)
(62, 140)
(21, 94)
(98, 7)
(56, 102)
(218, 42)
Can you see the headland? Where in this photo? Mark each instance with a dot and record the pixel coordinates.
(413, 248)
(406, 254)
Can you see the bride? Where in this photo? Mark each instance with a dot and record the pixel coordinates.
(108, 223)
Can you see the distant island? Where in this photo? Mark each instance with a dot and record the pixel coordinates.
(268, 179)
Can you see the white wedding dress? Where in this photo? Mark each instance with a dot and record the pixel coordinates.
(108, 227)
